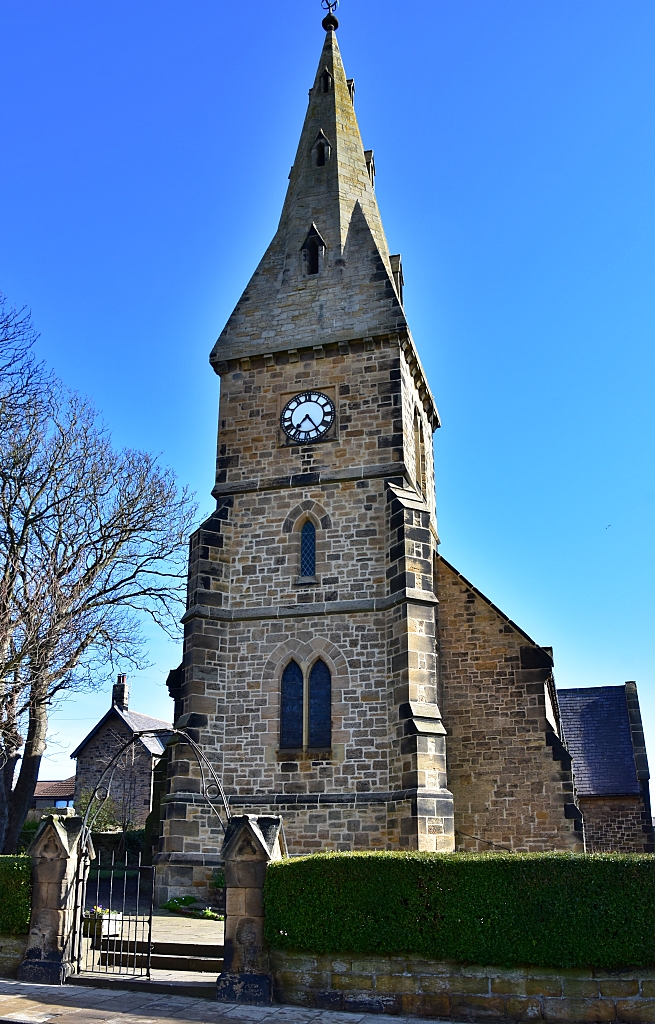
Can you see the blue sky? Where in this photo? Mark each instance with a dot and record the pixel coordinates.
(145, 153)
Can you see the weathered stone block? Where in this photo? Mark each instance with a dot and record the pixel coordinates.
(523, 1008)
(578, 987)
(619, 987)
(12, 951)
(396, 983)
(636, 1011)
(648, 989)
(579, 1010)
(477, 1006)
(348, 982)
(430, 1006)
(543, 986)
(508, 986)
(458, 984)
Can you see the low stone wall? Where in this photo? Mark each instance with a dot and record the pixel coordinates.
(402, 985)
(12, 951)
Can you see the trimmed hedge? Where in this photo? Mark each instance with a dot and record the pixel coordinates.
(544, 910)
(15, 894)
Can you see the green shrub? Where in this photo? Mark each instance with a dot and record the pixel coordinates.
(546, 910)
(15, 895)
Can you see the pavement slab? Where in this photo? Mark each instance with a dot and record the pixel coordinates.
(51, 1004)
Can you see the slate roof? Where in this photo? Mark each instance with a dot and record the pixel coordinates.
(135, 723)
(57, 789)
(596, 727)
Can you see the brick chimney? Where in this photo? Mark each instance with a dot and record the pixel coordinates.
(120, 693)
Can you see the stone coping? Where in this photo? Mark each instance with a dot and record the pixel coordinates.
(412, 985)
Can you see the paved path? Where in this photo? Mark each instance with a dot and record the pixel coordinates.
(168, 927)
(41, 1004)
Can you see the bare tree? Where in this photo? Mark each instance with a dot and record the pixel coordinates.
(22, 382)
(92, 540)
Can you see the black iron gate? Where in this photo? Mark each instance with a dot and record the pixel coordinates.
(112, 920)
(113, 933)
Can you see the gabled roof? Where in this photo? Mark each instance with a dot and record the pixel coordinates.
(596, 726)
(57, 789)
(136, 723)
(487, 601)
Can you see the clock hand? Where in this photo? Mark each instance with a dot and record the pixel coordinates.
(304, 419)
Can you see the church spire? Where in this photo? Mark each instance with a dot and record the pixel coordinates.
(327, 276)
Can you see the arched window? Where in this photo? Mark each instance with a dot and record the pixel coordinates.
(320, 706)
(311, 256)
(326, 81)
(309, 729)
(308, 550)
(321, 153)
(291, 708)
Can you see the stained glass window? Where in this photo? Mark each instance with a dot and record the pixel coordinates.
(320, 706)
(291, 708)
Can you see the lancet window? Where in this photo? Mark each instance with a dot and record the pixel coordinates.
(308, 549)
(306, 708)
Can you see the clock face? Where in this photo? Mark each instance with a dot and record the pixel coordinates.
(307, 417)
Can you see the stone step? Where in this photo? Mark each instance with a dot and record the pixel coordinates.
(184, 949)
(159, 962)
(193, 989)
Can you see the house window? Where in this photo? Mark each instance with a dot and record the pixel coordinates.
(308, 550)
(306, 708)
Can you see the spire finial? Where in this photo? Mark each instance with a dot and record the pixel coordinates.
(330, 22)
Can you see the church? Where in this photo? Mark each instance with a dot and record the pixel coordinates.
(337, 671)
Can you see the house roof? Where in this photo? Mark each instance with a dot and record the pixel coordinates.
(136, 723)
(596, 726)
(58, 789)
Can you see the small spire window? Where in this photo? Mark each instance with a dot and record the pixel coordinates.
(370, 165)
(398, 278)
(311, 256)
(325, 81)
(312, 252)
(321, 150)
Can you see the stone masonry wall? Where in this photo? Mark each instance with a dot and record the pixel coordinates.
(12, 951)
(132, 783)
(507, 787)
(248, 614)
(410, 985)
(613, 824)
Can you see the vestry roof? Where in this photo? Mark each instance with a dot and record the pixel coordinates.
(136, 723)
(59, 789)
(596, 726)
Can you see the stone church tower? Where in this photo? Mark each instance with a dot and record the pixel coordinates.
(310, 662)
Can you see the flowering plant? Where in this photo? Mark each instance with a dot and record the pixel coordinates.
(100, 911)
